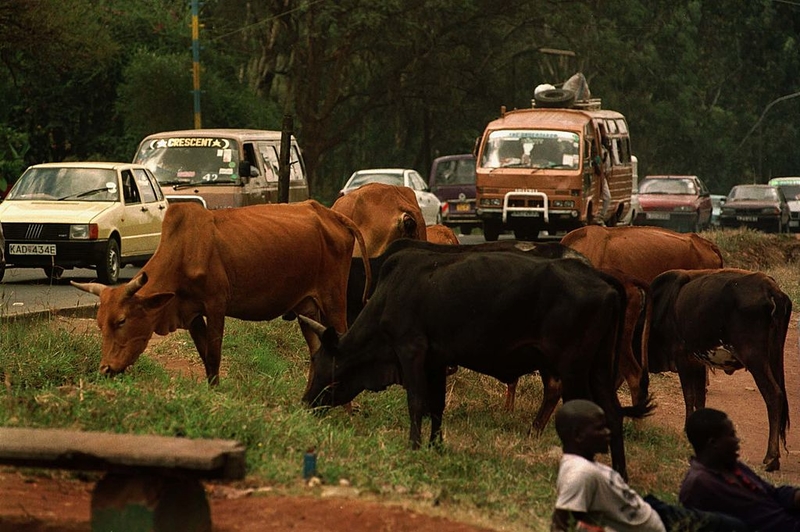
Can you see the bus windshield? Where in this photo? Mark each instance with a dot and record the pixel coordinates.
(200, 160)
(532, 148)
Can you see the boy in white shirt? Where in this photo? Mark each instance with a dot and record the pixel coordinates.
(593, 497)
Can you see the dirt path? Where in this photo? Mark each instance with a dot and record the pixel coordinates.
(45, 504)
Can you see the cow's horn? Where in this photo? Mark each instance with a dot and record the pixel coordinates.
(316, 326)
(92, 288)
(135, 284)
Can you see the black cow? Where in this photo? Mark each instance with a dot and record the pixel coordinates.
(357, 279)
(501, 314)
(728, 319)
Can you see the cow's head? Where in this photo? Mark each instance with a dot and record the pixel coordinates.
(126, 321)
(337, 376)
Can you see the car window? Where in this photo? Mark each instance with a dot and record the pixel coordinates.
(145, 186)
(417, 183)
(388, 179)
(667, 186)
(129, 189)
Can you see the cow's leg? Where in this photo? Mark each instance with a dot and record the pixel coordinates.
(412, 361)
(511, 395)
(199, 333)
(775, 401)
(693, 377)
(215, 328)
(551, 394)
(437, 386)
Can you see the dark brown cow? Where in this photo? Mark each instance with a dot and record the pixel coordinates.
(383, 213)
(635, 256)
(727, 319)
(251, 263)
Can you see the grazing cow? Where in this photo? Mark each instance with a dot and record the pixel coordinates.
(250, 263)
(501, 314)
(441, 234)
(728, 319)
(383, 213)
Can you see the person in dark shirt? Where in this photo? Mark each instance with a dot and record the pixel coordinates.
(718, 481)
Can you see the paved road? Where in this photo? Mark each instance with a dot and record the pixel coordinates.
(27, 290)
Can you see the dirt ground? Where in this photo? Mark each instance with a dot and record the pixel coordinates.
(60, 502)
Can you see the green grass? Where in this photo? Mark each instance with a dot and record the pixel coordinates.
(489, 472)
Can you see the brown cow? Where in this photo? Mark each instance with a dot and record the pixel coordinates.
(643, 252)
(251, 263)
(728, 319)
(383, 213)
(441, 234)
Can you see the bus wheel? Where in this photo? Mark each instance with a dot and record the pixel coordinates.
(491, 230)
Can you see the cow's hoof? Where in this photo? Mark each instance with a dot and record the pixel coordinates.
(772, 465)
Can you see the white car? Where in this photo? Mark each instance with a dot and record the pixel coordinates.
(429, 204)
(79, 215)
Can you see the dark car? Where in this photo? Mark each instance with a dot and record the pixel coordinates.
(452, 179)
(678, 202)
(762, 207)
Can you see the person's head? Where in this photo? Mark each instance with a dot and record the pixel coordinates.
(713, 438)
(581, 426)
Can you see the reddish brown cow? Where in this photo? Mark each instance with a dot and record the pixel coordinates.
(441, 234)
(728, 319)
(383, 213)
(643, 252)
(251, 263)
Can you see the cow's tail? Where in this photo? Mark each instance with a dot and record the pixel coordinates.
(362, 246)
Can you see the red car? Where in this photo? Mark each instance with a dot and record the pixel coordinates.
(678, 202)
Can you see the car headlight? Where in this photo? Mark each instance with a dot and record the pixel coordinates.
(727, 210)
(83, 232)
(770, 210)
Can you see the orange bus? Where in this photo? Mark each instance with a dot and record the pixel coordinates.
(542, 169)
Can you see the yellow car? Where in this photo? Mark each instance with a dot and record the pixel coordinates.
(100, 215)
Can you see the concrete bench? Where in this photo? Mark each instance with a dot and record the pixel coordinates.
(150, 482)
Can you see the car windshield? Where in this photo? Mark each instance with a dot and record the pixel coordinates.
(754, 193)
(532, 148)
(792, 192)
(668, 186)
(79, 184)
(385, 178)
(199, 160)
(455, 172)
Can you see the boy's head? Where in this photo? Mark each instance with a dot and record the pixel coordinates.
(581, 426)
(713, 438)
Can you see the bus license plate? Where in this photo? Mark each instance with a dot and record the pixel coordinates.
(32, 249)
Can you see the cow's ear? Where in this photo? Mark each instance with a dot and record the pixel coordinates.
(330, 338)
(156, 301)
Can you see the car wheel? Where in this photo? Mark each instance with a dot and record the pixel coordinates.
(491, 231)
(2, 270)
(53, 273)
(466, 229)
(108, 268)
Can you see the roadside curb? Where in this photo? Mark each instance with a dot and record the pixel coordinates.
(80, 311)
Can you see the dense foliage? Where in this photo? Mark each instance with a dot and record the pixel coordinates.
(708, 87)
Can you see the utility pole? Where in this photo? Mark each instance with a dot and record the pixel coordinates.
(196, 61)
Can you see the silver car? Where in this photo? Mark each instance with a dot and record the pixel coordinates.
(429, 204)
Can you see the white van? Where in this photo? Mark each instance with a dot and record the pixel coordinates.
(222, 168)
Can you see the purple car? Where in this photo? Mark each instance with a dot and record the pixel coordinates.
(452, 179)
